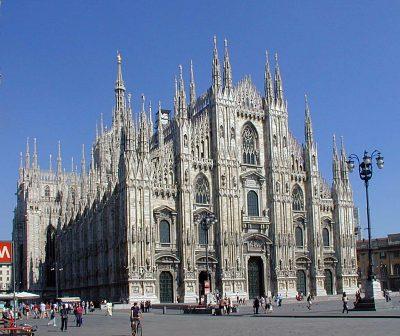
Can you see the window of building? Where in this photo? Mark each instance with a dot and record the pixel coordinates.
(47, 191)
(202, 235)
(202, 190)
(297, 199)
(252, 203)
(250, 145)
(165, 235)
(299, 236)
(396, 269)
(325, 237)
(382, 255)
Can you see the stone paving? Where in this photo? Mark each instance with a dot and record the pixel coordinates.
(324, 319)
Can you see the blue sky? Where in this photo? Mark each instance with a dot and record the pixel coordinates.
(57, 60)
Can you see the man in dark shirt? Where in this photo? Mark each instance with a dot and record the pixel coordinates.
(64, 318)
(135, 318)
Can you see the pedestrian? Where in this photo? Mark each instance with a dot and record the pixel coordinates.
(262, 302)
(79, 312)
(42, 310)
(256, 305)
(64, 318)
(52, 317)
(309, 301)
(345, 301)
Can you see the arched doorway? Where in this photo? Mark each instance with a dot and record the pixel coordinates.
(328, 282)
(255, 276)
(301, 282)
(203, 284)
(166, 287)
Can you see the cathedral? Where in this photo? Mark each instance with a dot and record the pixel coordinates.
(129, 225)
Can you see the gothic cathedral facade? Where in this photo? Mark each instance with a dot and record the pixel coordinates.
(128, 226)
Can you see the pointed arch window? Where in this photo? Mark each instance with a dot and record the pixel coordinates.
(325, 237)
(165, 233)
(202, 235)
(47, 191)
(299, 236)
(252, 203)
(250, 145)
(297, 199)
(202, 190)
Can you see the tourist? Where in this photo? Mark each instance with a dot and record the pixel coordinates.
(42, 310)
(256, 305)
(64, 318)
(52, 317)
(135, 317)
(309, 301)
(345, 301)
(229, 306)
(262, 302)
(91, 307)
(78, 314)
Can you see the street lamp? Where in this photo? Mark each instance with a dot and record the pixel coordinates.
(205, 221)
(56, 269)
(365, 170)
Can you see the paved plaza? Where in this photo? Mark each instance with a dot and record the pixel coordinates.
(324, 319)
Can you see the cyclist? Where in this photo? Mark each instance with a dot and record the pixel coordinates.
(135, 318)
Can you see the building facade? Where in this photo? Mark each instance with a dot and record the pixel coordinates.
(385, 260)
(127, 227)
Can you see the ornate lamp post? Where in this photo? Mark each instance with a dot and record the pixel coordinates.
(56, 269)
(206, 221)
(365, 170)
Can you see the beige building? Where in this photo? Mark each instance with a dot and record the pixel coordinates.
(5, 278)
(385, 260)
(127, 227)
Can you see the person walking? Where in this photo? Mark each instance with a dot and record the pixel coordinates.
(309, 301)
(64, 318)
(79, 312)
(345, 301)
(52, 317)
(256, 305)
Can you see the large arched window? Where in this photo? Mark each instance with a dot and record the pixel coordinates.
(202, 190)
(299, 236)
(165, 236)
(325, 237)
(50, 249)
(202, 235)
(252, 203)
(250, 145)
(47, 191)
(297, 199)
(396, 269)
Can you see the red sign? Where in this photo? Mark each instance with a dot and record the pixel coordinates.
(6, 254)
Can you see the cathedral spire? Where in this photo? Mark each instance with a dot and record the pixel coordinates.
(119, 90)
(50, 163)
(192, 86)
(83, 161)
(227, 69)
(268, 85)
(182, 110)
(216, 72)
(27, 155)
(160, 126)
(308, 129)
(101, 124)
(335, 162)
(278, 82)
(59, 160)
(21, 166)
(343, 159)
(35, 156)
